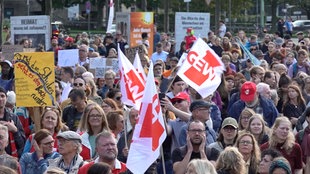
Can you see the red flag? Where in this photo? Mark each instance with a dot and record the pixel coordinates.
(149, 132)
(132, 86)
(202, 69)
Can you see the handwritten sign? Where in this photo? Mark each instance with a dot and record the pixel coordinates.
(9, 50)
(131, 52)
(68, 57)
(34, 79)
(98, 66)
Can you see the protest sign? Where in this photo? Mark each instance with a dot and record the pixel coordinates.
(9, 50)
(199, 22)
(142, 22)
(98, 66)
(68, 57)
(34, 79)
(35, 28)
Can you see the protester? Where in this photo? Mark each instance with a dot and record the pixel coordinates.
(116, 122)
(69, 147)
(16, 132)
(227, 135)
(280, 165)
(37, 162)
(258, 128)
(51, 121)
(93, 121)
(230, 161)
(107, 152)
(199, 166)
(7, 75)
(283, 140)
(268, 156)
(195, 148)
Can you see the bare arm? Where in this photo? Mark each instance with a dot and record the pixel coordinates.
(180, 166)
(181, 114)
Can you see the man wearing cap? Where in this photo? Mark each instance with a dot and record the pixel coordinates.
(16, 132)
(300, 36)
(251, 99)
(227, 136)
(179, 105)
(69, 44)
(107, 153)
(200, 111)
(195, 148)
(7, 75)
(69, 146)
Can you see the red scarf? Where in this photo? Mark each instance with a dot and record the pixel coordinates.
(13, 145)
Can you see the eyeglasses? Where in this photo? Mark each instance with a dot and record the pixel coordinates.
(49, 143)
(177, 101)
(52, 108)
(78, 84)
(246, 142)
(196, 131)
(118, 98)
(245, 118)
(95, 116)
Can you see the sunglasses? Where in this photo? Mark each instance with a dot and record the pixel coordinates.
(118, 98)
(177, 101)
(78, 84)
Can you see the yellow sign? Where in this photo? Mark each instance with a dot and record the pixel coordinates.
(34, 79)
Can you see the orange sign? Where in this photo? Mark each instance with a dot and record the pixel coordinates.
(142, 22)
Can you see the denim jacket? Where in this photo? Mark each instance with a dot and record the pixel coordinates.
(30, 164)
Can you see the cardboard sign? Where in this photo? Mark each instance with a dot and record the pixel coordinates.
(9, 50)
(98, 66)
(34, 79)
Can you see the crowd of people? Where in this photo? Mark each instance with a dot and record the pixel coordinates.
(255, 122)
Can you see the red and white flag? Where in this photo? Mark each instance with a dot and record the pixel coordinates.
(132, 86)
(138, 66)
(202, 69)
(149, 132)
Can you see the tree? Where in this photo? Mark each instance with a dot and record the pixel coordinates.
(305, 5)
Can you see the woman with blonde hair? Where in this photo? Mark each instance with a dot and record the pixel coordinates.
(244, 118)
(93, 95)
(257, 126)
(51, 120)
(230, 161)
(200, 166)
(283, 140)
(93, 122)
(250, 151)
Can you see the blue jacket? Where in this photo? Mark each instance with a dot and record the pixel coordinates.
(216, 117)
(29, 162)
(270, 112)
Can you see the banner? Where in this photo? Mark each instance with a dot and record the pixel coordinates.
(141, 22)
(202, 69)
(9, 50)
(34, 79)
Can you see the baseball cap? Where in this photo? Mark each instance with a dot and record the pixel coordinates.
(70, 135)
(300, 33)
(11, 97)
(7, 62)
(229, 121)
(248, 91)
(279, 41)
(199, 104)
(181, 96)
(69, 39)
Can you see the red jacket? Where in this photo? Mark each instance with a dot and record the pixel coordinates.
(118, 168)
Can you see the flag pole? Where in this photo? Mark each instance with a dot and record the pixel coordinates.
(163, 159)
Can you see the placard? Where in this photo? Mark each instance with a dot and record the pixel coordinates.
(98, 66)
(68, 57)
(9, 50)
(34, 79)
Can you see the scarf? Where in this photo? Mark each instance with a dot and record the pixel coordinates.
(13, 145)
